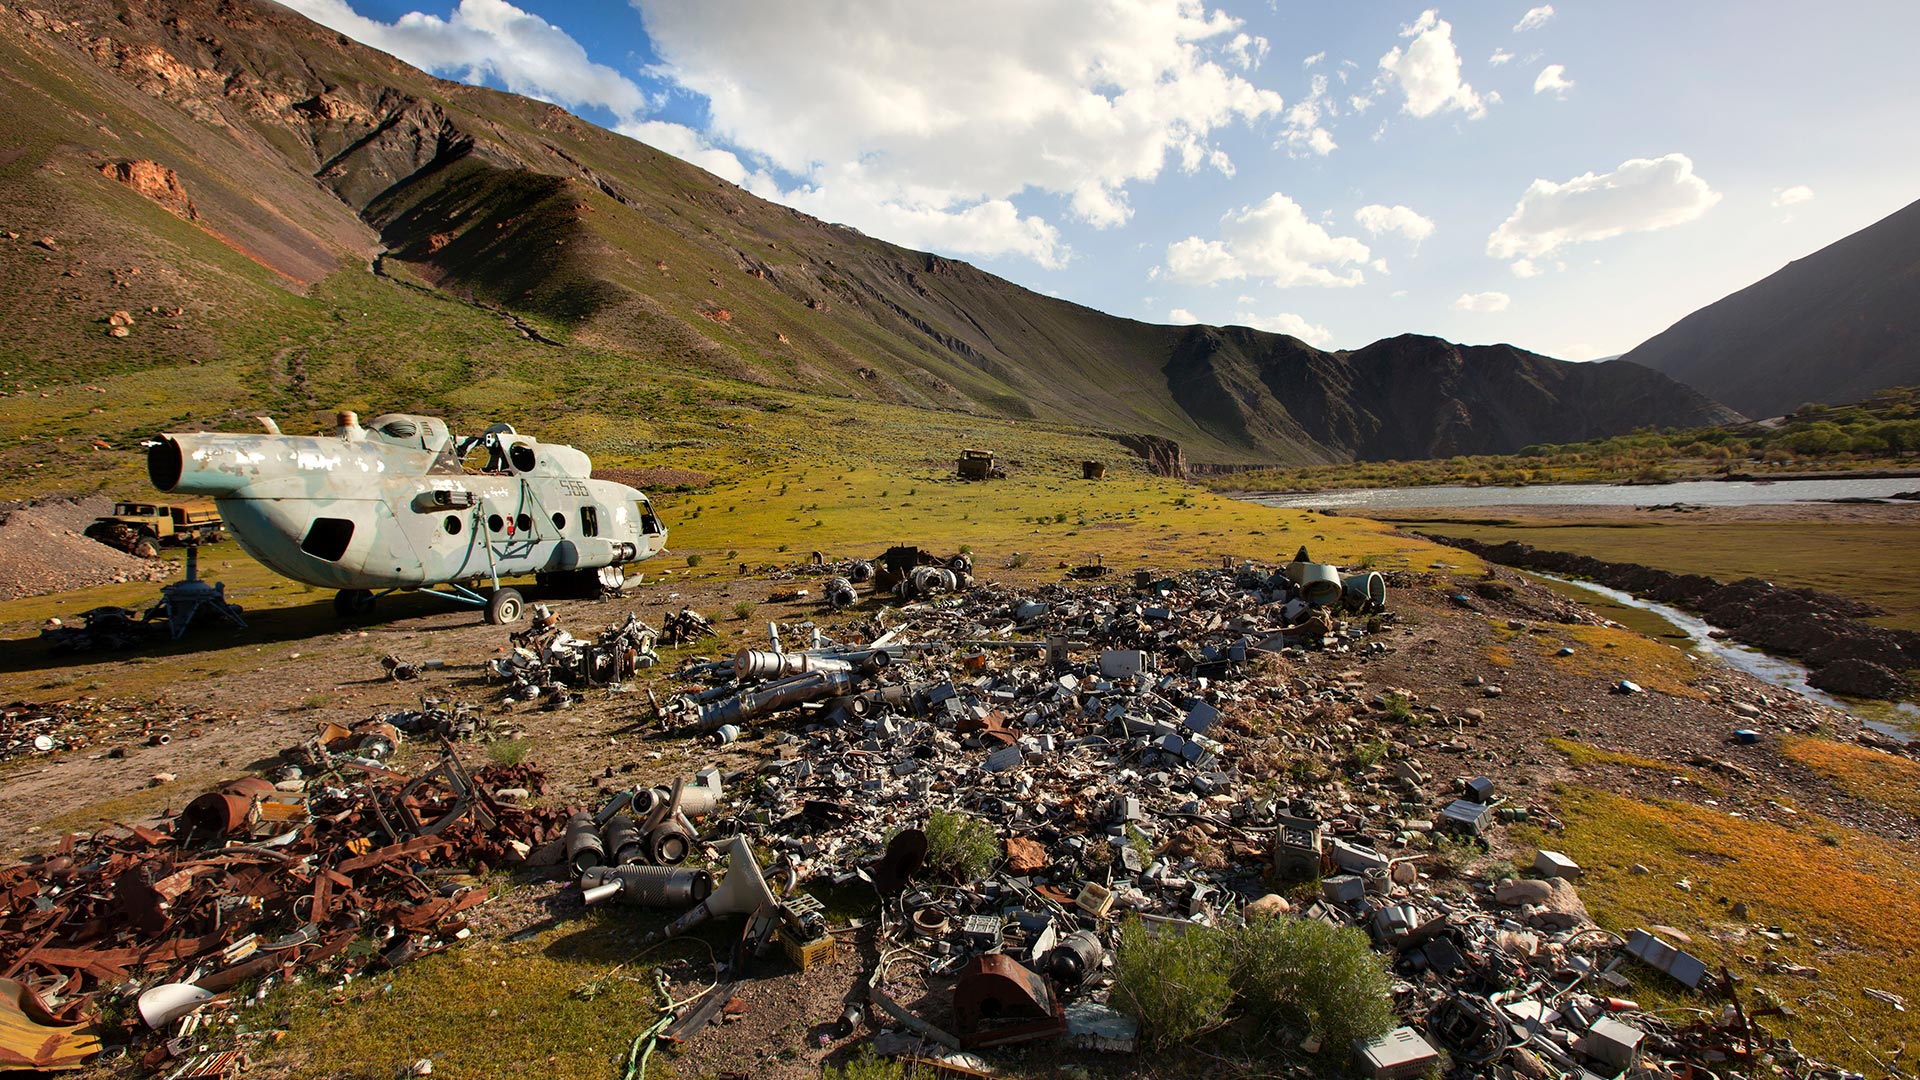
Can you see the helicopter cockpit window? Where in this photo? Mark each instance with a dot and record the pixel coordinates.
(327, 538)
(649, 523)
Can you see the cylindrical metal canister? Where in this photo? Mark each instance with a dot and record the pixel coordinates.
(622, 841)
(584, 849)
(1076, 957)
(669, 844)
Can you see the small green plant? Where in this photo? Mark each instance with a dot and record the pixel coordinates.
(783, 547)
(1399, 707)
(1454, 856)
(1017, 560)
(508, 751)
(1142, 847)
(868, 1066)
(1367, 754)
(1060, 518)
(966, 549)
(1305, 974)
(743, 609)
(960, 846)
(696, 560)
(1176, 982)
(732, 555)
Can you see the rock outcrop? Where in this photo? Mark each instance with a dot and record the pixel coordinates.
(156, 182)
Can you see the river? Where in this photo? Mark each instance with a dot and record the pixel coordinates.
(1691, 492)
(1903, 718)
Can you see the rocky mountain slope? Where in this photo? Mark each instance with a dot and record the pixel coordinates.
(1832, 327)
(215, 169)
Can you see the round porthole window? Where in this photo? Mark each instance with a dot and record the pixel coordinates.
(452, 525)
(560, 522)
(495, 523)
(524, 523)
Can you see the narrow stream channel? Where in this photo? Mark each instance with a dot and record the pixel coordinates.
(1900, 720)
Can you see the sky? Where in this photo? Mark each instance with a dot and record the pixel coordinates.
(1571, 178)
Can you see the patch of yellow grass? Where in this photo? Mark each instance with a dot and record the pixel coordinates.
(1584, 754)
(486, 1010)
(1871, 774)
(1613, 654)
(1856, 893)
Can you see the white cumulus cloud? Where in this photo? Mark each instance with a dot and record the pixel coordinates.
(1274, 240)
(1482, 302)
(1534, 19)
(489, 39)
(1642, 195)
(1287, 323)
(1792, 196)
(1525, 268)
(1378, 219)
(1247, 50)
(686, 144)
(1428, 70)
(921, 123)
(1304, 133)
(1500, 56)
(1553, 79)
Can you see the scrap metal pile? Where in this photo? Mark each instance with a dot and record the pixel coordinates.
(253, 879)
(1158, 752)
(547, 664)
(29, 729)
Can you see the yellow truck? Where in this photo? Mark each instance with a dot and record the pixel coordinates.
(141, 528)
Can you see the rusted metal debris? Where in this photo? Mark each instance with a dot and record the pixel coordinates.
(28, 729)
(251, 881)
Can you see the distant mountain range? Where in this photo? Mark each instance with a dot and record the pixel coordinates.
(1832, 327)
(214, 166)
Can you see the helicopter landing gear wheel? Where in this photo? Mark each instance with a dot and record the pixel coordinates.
(504, 607)
(348, 603)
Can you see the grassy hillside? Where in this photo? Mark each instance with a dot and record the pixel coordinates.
(218, 171)
(1880, 433)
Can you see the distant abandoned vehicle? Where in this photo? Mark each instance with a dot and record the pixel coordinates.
(142, 528)
(392, 506)
(978, 465)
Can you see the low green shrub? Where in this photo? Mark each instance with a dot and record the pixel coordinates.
(1306, 975)
(1176, 981)
(960, 846)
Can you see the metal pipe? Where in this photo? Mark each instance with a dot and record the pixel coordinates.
(774, 696)
(647, 886)
(762, 664)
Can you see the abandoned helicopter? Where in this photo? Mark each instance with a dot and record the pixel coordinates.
(393, 506)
